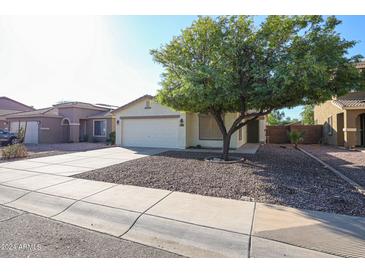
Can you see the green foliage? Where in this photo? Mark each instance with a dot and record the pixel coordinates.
(275, 118)
(308, 115)
(111, 139)
(296, 137)
(227, 64)
(85, 138)
(14, 151)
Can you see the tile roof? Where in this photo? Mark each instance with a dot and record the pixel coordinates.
(80, 105)
(4, 112)
(47, 112)
(361, 65)
(351, 100)
(147, 96)
(106, 114)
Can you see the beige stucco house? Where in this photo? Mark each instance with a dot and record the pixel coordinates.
(146, 123)
(343, 120)
(63, 123)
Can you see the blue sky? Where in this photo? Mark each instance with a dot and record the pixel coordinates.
(149, 32)
(97, 59)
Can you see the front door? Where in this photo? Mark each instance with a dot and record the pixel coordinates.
(253, 131)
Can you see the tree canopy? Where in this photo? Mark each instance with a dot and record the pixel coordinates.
(277, 117)
(227, 64)
(308, 115)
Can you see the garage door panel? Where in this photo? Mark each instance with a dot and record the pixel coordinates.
(31, 133)
(155, 132)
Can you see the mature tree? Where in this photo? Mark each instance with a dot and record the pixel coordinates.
(227, 64)
(308, 115)
(275, 118)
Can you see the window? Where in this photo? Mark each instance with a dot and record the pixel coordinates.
(148, 104)
(100, 128)
(240, 134)
(208, 128)
(330, 125)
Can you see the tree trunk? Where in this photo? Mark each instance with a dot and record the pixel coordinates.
(226, 143)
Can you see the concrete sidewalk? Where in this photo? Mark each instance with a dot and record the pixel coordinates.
(185, 224)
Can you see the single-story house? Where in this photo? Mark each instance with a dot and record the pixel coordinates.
(146, 123)
(343, 120)
(10, 106)
(65, 122)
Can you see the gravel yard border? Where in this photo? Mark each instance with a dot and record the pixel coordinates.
(338, 173)
(274, 175)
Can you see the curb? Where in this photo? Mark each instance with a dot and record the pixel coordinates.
(338, 173)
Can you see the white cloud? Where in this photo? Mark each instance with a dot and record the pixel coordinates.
(45, 59)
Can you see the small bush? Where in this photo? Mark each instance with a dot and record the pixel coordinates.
(14, 151)
(296, 137)
(112, 138)
(21, 135)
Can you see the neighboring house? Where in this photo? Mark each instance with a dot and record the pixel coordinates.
(343, 118)
(146, 123)
(66, 122)
(10, 106)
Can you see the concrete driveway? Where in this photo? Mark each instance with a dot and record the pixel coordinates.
(181, 223)
(78, 162)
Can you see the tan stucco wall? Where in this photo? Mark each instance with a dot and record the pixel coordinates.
(351, 123)
(110, 125)
(193, 131)
(3, 123)
(138, 109)
(352, 127)
(321, 114)
(75, 114)
(189, 133)
(49, 131)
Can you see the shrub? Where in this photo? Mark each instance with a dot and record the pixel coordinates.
(21, 135)
(111, 139)
(84, 138)
(14, 151)
(295, 137)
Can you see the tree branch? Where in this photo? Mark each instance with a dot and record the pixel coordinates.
(237, 124)
(220, 121)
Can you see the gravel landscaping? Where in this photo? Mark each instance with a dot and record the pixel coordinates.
(349, 162)
(273, 175)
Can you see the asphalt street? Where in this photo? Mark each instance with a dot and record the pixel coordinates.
(27, 235)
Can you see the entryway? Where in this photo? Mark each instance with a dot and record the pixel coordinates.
(253, 131)
(362, 129)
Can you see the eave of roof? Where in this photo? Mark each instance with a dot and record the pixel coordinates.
(147, 96)
(5, 112)
(352, 100)
(81, 105)
(45, 112)
(105, 115)
(24, 105)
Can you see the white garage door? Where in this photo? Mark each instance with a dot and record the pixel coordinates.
(31, 133)
(155, 132)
